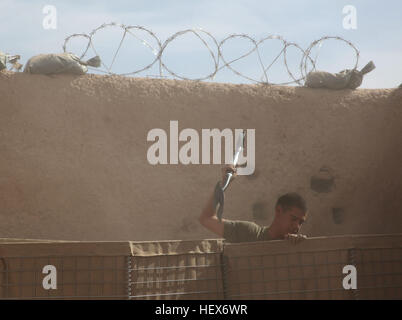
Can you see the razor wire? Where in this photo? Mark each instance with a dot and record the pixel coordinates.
(307, 63)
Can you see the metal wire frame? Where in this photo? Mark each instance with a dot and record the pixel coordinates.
(176, 267)
(320, 277)
(159, 274)
(310, 265)
(379, 276)
(249, 295)
(8, 284)
(75, 297)
(222, 264)
(351, 258)
(352, 261)
(129, 281)
(189, 266)
(215, 53)
(224, 272)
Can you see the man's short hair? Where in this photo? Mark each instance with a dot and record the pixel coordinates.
(290, 200)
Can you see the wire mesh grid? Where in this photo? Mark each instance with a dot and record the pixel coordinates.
(316, 275)
(214, 275)
(178, 276)
(77, 277)
(379, 273)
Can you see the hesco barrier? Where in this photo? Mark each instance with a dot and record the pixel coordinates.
(83, 270)
(176, 270)
(205, 269)
(314, 269)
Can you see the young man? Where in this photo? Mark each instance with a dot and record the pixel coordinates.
(290, 214)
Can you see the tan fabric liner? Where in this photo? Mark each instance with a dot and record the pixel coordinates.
(157, 248)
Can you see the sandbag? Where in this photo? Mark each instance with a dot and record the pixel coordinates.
(346, 79)
(59, 63)
(10, 59)
(3, 61)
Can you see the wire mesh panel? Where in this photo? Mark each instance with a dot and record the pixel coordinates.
(176, 270)
(76, 277)
(379, 273)
(314, 269)
(311, 275)
(67, 275)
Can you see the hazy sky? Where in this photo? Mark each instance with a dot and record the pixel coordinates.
(378, 35)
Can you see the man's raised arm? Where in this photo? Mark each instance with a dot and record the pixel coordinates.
(208, 216)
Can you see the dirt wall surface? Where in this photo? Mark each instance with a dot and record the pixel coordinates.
(73, 157)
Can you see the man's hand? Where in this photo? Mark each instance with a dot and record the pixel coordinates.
(295, 238)
(228, 168)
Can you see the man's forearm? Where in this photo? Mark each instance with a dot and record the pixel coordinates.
(208, 216)
(209, 219)
(209, 210)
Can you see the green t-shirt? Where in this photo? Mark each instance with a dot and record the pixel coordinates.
(244, 231)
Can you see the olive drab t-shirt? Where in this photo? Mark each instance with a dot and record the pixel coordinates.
(244, 231)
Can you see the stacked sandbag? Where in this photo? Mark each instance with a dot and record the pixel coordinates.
(10, 59)
(56, 63)
(3, 61)
(346, 79)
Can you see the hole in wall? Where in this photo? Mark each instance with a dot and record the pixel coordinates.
(323, 181)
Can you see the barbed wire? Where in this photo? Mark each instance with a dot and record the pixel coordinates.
(307, 63)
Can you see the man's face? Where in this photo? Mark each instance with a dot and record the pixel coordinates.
(290, 219)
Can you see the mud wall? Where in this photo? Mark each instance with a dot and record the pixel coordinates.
(73, 157)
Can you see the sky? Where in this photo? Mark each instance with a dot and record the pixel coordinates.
(377, 36)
